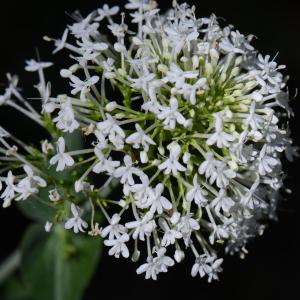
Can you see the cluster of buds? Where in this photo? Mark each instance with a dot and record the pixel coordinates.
(194, 135)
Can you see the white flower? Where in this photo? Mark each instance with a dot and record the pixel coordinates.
(33, 65)
(216, 171)
(149, 268)
(138, 17)
(186, 226)
(157, 201)
(249, 200)
(106, 12)
(269, 70)
(11, 90)
(220, 138)
(220, 232)
(108, 68)
(207, 265)
(156, 265)
(142, 227)
(152, 104)
(162, 261)
(234, 42)
(196, 193)
(61, 158)
(105, 164)
(84, 28)
(222, 176)
(172, 164)
(118, 30)
(254, 120)
(170, 234)
(139, 138)
(127, 171)
(171, 115)
(181, 34)
(222, 202)
(170, 237)
(114, 229)
(110, 128)
(141, 191)
(65, 120)
(243, 153)
(216, 268)
(143, 82)
(266, 163)
(28, 185)
(189, 91)
(118, 246)
(138, 4)
(102, 142)
(209, 166)
(9, 192)
(178, 76)
(91, 50)
(82, 86)
(60, 44)
(202, 265)
(75, 223)
(49, 104)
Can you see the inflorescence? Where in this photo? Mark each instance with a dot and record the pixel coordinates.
(194, 134)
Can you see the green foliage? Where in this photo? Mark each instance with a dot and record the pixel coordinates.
(54, 266)
(74, 140)
(38, 209)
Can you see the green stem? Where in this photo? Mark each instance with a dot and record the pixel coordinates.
(9, 265)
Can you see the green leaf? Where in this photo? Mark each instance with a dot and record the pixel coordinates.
(37, 209)
(59, 265)
(74, 140)
(14, 290)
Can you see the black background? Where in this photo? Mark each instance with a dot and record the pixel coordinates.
(270, 271)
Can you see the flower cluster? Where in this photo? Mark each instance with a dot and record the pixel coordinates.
(194, 134)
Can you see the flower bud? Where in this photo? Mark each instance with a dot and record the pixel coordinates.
(179, 255)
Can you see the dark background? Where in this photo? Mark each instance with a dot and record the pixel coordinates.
(270, 271)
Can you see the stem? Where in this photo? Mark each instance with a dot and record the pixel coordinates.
(80, 152)
(22, 100)
(25, 112)
(43, 83)
(132, 121)
(9, 265)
